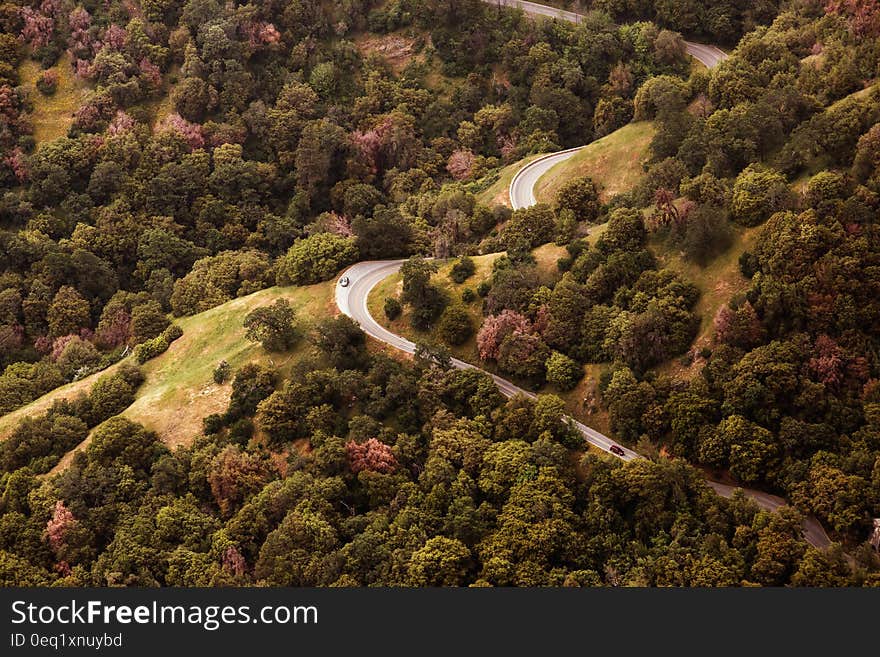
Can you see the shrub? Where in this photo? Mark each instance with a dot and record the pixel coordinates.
(315, 259)
(462, 270)
(158, 345)
(222, 372)
(47, 83)
(131, 374)
(392, 308)
(150, 349)
(455, 326)
(563, 371)
(468, 295)
(212, 424)
(172, 333)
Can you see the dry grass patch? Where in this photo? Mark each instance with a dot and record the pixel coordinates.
(53, 115)
(396, 49)
(615, 162)
(179, 390)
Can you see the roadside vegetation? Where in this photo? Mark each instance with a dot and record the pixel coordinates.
(704, 275)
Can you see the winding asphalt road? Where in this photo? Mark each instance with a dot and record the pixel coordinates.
(352, 301)
(522, 187)
(364, 276)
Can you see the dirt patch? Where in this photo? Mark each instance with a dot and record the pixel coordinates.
(395, 49)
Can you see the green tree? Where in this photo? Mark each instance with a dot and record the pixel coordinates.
(342, 341)
(315, 259)
(563, 371)
(758, 193)
(110, 395)
(423, 296)
(272, 326)
(455, 326)
(147, 321)
(528, 228)
(68, 313)
(440, 561)
(581, 196)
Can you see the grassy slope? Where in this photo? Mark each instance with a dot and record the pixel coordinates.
(179, 390)
(615, 162)
(180, 379)
(9, 421)
(497, 193)
(53, 115)
(720, 280)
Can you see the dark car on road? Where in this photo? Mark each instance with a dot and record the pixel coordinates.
(616, 449)
(344, 281)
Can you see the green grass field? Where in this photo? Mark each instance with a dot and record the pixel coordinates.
(181, 378)
(615, 162)
(53, 115)
(179, 389)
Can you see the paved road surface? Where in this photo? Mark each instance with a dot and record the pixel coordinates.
(522, 194)
(364, 276)
(814, 533)
(522, 185)
(352, 301)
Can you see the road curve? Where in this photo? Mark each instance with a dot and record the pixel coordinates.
(709, 56)
(522, 186)
(352, 301)
(364, 276)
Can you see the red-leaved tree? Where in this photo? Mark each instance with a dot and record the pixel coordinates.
(496, 328)
(58, 526)
(461, 164)
(372, 455)
(739, 328)
(191, 132)
(233, 562)
(863, 15)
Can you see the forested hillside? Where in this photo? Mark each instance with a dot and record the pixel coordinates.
(213, 150)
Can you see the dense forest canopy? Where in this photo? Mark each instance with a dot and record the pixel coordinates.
(214, 150)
